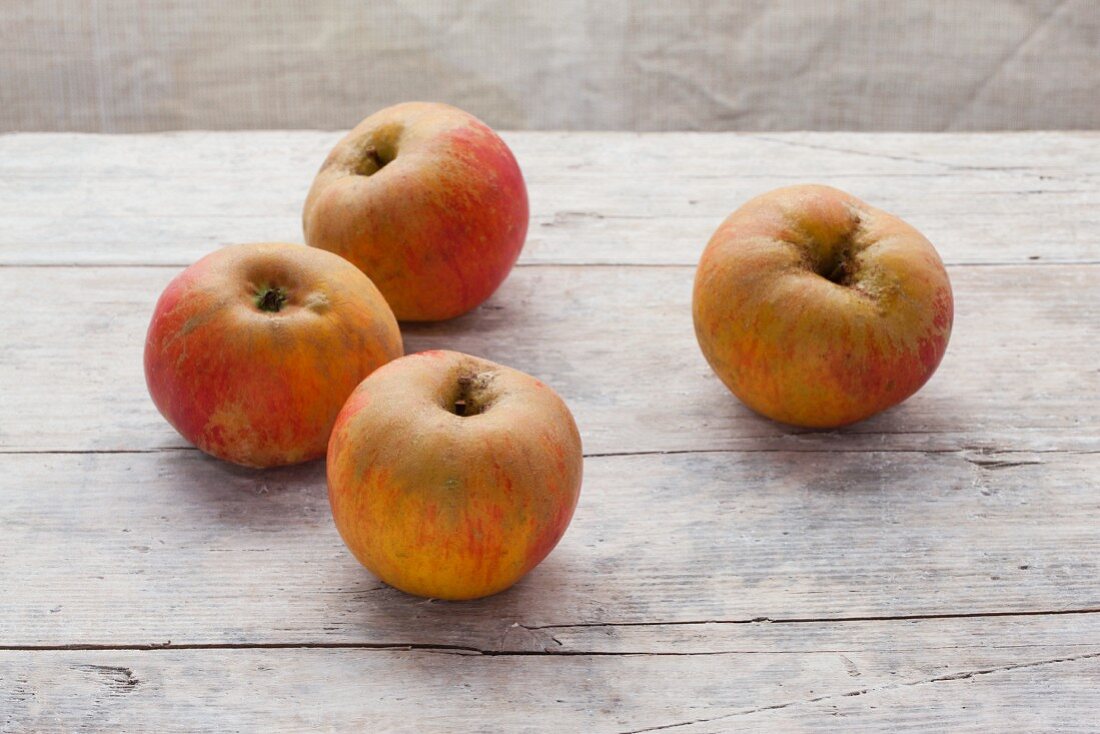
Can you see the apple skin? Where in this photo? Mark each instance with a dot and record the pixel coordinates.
(439, 225)
(448, 506)
(800, 348)
(261, 387)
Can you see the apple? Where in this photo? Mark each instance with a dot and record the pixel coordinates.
(426, 200)
(252, 350)
(819, 310)
(450, 476)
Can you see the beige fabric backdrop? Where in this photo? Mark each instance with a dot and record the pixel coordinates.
(135, 65)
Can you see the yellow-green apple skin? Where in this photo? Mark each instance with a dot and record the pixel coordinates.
(426, 200)
(253, 350)
(819, 310)
(450, 476)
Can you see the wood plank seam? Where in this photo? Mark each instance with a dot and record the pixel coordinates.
(616, 265)
(169, 645)
(448, 649)
(984, 460)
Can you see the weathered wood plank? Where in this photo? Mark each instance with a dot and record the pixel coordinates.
(1020, 373)
(596, 198)
(146, 548)
(864, 549)
(1056, 152)
(987, 689)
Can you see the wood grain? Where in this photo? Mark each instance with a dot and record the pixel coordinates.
(1021, 371)
(619, 198)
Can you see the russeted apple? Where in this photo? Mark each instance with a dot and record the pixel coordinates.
(819, 310)
(426, 200)
(252, 351)
(451, 476)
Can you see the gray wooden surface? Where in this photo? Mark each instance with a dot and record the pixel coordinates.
(935, 567)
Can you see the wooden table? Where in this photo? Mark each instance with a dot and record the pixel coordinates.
(935, 567)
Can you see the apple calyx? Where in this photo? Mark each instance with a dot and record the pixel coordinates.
(271, 299)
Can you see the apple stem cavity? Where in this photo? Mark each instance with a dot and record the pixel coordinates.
(839, 272)
(373, 161)
(838, 267)
(271, 299)
(471, 398)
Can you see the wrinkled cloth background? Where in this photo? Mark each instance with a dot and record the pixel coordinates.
(143, 65)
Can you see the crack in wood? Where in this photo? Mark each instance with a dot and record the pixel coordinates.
(962, 675)
(824, 620)
(118, 679)
(995, 464)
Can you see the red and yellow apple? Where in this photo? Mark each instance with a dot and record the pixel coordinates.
(450, 476)
(818, 310)
(426, 200)
(252, 350)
